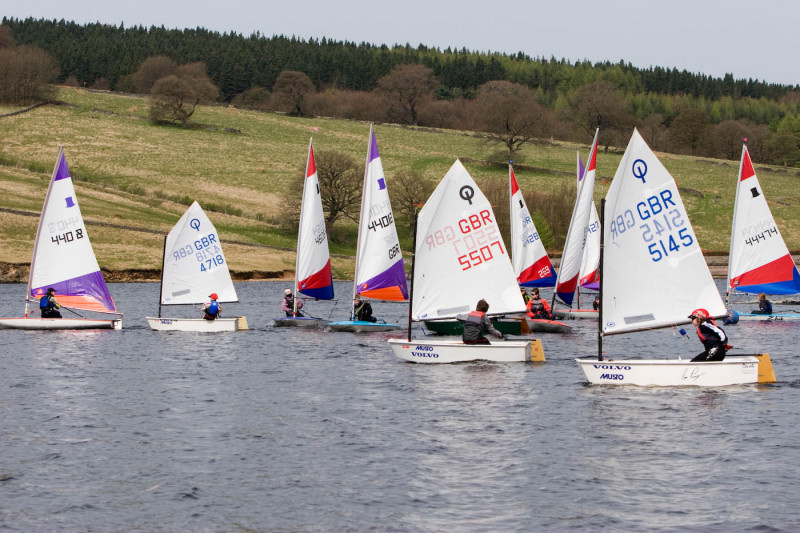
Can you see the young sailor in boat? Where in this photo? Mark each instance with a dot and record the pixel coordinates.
(362, 310)
(476, 323)
(212, 309)
(764, 305)
(287, 304)
(526, 297)
(48, 305)
(711, 335)
(538, 308)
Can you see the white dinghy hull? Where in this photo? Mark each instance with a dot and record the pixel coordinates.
(238, 323)
(733, 370)
(33, 323)
(444, 351)
(776, 317)
(562, 314)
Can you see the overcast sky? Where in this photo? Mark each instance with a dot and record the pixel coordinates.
(758, 40)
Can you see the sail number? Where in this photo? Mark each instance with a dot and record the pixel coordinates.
(205, 250)
(67, 237)
(385, 221)
(476, 241)
(663, 229)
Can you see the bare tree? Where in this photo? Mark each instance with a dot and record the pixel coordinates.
(510, 114)
(293, 93)
(175, 97)
(405, 88)
(690, 130)
(26, 75)
(600, 105)
(6, 39)
(409, 190)
(253, 98)
(730, 136)
(151, 70)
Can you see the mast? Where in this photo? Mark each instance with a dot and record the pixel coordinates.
(600, 271)
(413, 261)
(300, 228)
(360, 224)
(163, 263)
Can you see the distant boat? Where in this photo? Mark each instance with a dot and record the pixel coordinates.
(573, 258)
(589, 277)
(312, 272)
(379, 272)
(759, 260)
(193, 267)
(460, 258)
(63, 259)
(653, 275)
(529, 258)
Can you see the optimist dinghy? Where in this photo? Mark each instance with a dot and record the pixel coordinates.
(193, 268)
(653, 275)
(460, 258)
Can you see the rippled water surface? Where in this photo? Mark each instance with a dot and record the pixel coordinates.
(279, 429)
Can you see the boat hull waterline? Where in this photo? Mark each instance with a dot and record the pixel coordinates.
(733, 370)
(775, 317)
(300, 322)
(361, 326)
(444, 351)
(198, 324)
(33, 323)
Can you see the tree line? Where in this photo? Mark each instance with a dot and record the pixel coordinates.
(510, 98)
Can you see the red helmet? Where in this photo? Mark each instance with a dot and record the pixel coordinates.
(699, 313)
(213, 296)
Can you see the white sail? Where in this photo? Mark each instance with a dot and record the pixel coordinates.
(460, 254)
(194, 265)
(590, 264)
(379, 271)
(654, 273)
(570, 267)
(759, 260)
(63, 257)
(531, 264)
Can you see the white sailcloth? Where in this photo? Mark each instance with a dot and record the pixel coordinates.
(379, 271)
(591, 250)
(63, 257)
(654, 273)
(460, 255)
(194, 265)
(759, 260)
(572, 257)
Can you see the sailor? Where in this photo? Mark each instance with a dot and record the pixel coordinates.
(287, 304)
(362, 310)
(476, 323)
(212, 309)
(711, 335)
(764, 305)
(48, 305)
(538, 308)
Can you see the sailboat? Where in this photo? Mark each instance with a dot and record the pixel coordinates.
(193, 267)
(312, 272)
(63, 259)
(529, 258)
(570, 269)
(379, 272)
(653, 275)
(759, 260)
(460, 258)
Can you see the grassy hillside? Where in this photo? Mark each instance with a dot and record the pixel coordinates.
(239, 164)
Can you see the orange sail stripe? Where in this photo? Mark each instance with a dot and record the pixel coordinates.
(88, 303)
(386, 293)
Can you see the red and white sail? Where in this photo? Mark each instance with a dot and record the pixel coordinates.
(569, 270)
(313, 265)
(590, 265)
(759, 260)
(529, 258)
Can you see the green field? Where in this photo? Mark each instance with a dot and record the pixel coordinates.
(240, 165)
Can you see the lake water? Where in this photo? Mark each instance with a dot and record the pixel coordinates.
(279, 429)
